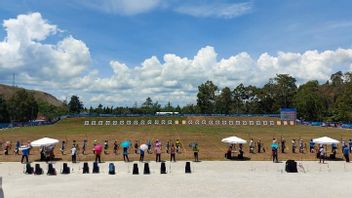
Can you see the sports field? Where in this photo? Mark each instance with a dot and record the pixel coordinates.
(208, 138)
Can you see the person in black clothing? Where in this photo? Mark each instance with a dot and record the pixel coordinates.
(125, 154)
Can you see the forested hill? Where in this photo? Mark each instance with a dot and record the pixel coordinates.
(8, 91)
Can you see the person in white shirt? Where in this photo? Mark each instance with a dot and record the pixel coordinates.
(74, 154)
(321, 154)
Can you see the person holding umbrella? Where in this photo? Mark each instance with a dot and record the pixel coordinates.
(125, 146)
(142, 149)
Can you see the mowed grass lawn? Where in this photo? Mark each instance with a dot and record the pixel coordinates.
(208, 138)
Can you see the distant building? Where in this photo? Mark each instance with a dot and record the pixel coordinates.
(167, 113)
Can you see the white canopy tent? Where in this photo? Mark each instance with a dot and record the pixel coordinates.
(233, 140)
(44, 142)
(325, 140)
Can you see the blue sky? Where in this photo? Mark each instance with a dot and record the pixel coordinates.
(270, 35)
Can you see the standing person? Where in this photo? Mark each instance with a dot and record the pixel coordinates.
(63, 147)
(136, 147)
(167, 146)
(301, 146)
(321, 154)
(116, 147)
(157, 146)
(25, 153)
(173, 153)
(343, 143)
(283, 145)
(251, 146)
(178, 145)
(141, 155)
(97, 151)
(293, 145)
(7, 147)
(259, 145)
(195, 152)
(346, 153)
(125, 154)
(17, 149)
(274, 148)
(311, 146)
(106, 147)
(74, 154)
(84, 147)
(149, 143)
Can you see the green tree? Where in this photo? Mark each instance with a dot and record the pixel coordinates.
(4, 114)
(310, 103)
(206, 97)
(224, 101)
(285, 88)
(22, 106)
(75, 105)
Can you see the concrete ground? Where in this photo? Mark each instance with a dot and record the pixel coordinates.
(208, 179)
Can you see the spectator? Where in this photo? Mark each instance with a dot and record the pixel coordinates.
(17, 149)
(157, 146)
(321, 154)
(251, 146)
(311, 146)
(141, 155)
(178, 145)
(195, 152)
(25, 153)
(106, 147)
(346, 153)
(259, 145)
(293, 145)
(84, 147)
(173, 153)
(283, 145)
(74, 154)
(125, 154)
(136, 147)
(63, 147)
(116, 147)
(301, 146)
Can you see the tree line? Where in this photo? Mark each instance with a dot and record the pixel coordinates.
(330, 101)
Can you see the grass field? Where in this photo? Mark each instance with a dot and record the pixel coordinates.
(208, 138)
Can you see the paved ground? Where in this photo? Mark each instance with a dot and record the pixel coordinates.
(208, 179)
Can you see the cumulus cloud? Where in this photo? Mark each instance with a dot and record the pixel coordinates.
(176, 78)
(215, 9)
(196, 8)
(123, 7)
(64, 69)
(24, 51)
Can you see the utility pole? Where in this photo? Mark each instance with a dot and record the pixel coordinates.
(14, 80)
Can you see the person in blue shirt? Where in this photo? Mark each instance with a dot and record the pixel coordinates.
(17, 149)
(311, 146)
(346, 153)
(274, 148)
(25, 153)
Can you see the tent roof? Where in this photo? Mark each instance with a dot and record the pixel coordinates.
(44, 142)
(325, 140)
(234, 140)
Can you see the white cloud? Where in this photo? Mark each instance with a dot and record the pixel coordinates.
(215, 9)
(62, 68)
(24, 51)
(123, 7)
(176, 78)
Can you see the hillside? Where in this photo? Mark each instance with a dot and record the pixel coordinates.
(9, 91)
